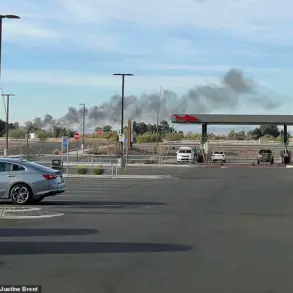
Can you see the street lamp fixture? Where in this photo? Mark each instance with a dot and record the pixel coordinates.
(83, 123)
(122, 104)
(7, 123)
(8, 16)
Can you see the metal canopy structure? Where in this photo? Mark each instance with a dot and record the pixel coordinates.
(226, 119)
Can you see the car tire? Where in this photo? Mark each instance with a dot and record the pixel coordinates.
(20, 194)
(36, 200)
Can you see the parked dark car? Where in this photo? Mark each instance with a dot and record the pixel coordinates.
(265, 156)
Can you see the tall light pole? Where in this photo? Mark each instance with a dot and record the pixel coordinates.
(122, 105)
(10, 16)
(7, 123)
(158, 113)
(83, 124)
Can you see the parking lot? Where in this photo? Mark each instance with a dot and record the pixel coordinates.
(209, 231)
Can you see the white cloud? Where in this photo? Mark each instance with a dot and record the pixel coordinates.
(253, 17)
(20, 30)
(83, 24)
(210, 69)
(79, 79)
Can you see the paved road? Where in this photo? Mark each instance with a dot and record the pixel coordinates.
(212, 231)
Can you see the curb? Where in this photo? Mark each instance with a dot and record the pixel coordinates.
(246, 166)
(120, 176)
(289, 166)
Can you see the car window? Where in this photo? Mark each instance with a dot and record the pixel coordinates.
(5, 167)
(265, 152)
(219, 153)
(17, 168)
(37, 167)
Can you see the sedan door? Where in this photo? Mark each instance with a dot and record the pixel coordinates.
(6, 178)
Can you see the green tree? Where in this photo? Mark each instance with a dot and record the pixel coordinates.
(165, 128)
(232, 134)
(17, 133)
(61, 131)
(269, 129)
(107, 128)
(281, 136)
(254, 134)
(43, 135)
(141, 128)
(241, 135)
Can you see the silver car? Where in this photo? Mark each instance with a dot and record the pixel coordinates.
(26, 182)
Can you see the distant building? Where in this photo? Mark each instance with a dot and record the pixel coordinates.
(33, 135)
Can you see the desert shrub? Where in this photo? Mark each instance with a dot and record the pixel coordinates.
(82, 171)
(174, 136)
(147, 137)
(99, 171)
(56, 152)
(150, 161)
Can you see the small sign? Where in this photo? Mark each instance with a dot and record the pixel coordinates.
(76, 136)
(121, 137)
(100, 131)
(65, 142)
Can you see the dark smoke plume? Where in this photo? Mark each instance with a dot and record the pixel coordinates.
(235, 89)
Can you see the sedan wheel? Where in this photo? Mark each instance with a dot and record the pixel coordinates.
(20, 194)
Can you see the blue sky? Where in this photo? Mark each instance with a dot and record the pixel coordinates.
(64, 52)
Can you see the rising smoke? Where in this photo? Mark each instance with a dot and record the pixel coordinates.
(235, 89)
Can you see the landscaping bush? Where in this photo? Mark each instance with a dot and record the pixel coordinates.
(82, 171)
(147, 137)
(150, 161)
(56, 152)
(174, 136)
(99, 171)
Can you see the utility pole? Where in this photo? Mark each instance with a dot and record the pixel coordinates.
(7, 123)
(158, 113)
(83, 124)
(122, 106)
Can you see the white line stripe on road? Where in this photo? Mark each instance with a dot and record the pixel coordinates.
(120, 176)
(31, 217)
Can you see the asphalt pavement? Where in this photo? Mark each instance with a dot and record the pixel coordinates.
(211, 231)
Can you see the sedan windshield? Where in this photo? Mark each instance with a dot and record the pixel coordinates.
(185, 151)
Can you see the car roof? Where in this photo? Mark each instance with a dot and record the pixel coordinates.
(26, 163)
(11, 160)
